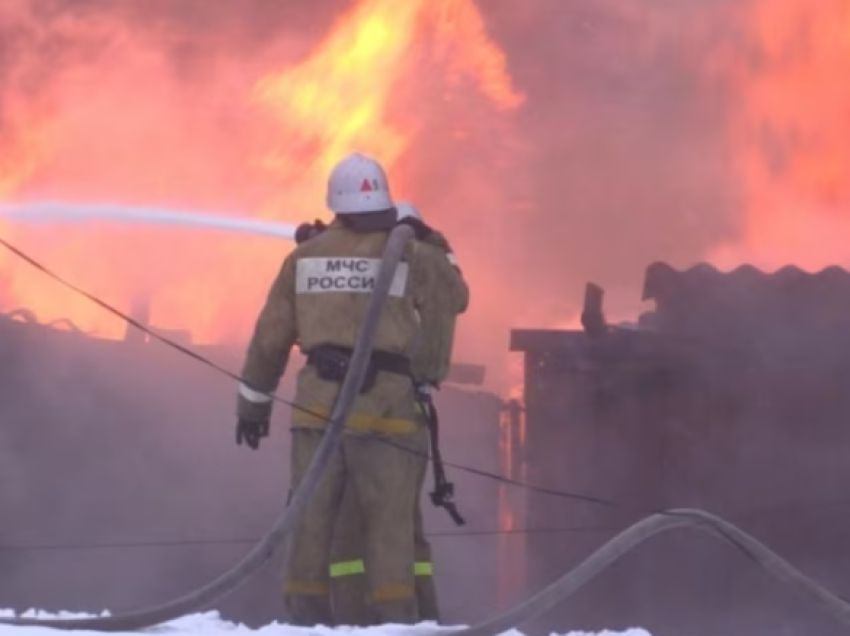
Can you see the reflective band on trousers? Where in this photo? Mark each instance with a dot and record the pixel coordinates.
(306, 588)
(351, 568)
(423, 568)
(316, 417)
(253, 396)
(347, 568)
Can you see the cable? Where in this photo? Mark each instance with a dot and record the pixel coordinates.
(123, 545)
(168, 543)
(216, 367)
(135, 323)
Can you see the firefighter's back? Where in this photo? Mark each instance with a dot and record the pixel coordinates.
(318, 301)
(335, 274)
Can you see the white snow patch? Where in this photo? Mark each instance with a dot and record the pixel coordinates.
(211, 624)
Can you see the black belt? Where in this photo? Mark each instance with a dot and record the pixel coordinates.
(331, 363)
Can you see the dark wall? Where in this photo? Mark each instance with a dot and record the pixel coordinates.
(756, 434)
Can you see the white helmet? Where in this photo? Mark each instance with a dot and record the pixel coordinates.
(406, 210)
(358, 185)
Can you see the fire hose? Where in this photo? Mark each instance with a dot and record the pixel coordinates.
(635, 535)
(544, 600)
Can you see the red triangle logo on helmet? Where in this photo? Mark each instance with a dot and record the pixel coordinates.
(366, 186)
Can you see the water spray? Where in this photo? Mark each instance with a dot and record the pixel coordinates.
(52, 212)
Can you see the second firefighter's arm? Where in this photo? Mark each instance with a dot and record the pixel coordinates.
(455, 285)
(275, 334)
(437, 299)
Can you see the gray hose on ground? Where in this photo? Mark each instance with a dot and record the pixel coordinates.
(632, 537)
(229, 581)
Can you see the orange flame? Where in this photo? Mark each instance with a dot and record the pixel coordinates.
(463, 44)
(338, 99)
(790, 136)
(21, 157)
(112, 139)
(511, 502)
(341, 99)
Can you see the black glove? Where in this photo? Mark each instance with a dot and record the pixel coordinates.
(420, 229)
(251, 432)
(306, 231)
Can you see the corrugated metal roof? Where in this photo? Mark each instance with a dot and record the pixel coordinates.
(748, 300)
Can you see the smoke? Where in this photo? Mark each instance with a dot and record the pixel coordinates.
(739, 411)
(114, 450)
(618, 156)
(626, 159)
(107, 457)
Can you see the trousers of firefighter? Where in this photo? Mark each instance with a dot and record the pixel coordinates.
(357, 588)
(348, 559)
(360, 568)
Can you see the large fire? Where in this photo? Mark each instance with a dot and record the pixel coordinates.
(790, 130)
(124, 130)
(338, 99)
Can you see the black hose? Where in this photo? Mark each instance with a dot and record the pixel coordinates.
(231, 580)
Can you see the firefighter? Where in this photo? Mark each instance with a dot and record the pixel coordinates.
(318, 300)
(431, 364)
(409, 214)
(348, 569)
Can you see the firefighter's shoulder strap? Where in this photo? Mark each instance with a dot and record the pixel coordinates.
(444, 491)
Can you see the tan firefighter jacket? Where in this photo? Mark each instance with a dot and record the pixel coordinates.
(320, 296)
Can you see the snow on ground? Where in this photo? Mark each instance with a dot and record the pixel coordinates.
(211, 623)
